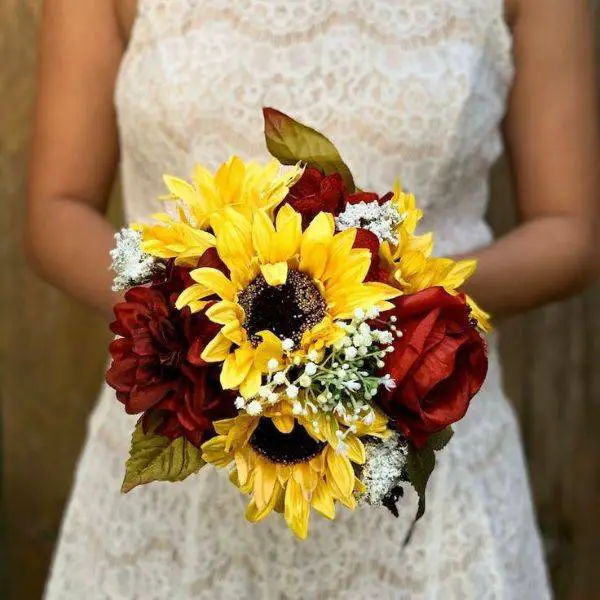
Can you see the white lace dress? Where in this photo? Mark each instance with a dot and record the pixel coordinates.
(414, 88)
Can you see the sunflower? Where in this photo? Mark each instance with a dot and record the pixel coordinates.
(411, 264)
(244, 186)
(282, 284)
(284, 466)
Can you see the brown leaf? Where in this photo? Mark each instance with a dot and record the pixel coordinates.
(291, 142)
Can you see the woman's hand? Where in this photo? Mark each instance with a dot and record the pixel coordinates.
(74, 150)
(552, 137)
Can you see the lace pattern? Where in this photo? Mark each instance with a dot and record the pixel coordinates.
(406, 87)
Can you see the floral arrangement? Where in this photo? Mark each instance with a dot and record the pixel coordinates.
(284, 325)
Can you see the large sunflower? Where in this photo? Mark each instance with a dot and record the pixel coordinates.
(245, 187)
(286, 466)
(283, 284)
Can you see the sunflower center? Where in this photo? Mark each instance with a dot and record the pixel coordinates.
(284, 448)
(287, 310)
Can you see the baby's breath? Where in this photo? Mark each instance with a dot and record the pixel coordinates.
(132, 266)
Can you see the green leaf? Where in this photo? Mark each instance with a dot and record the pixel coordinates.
(154, 457)
(419, 466)
(421, 462)
(438, 441)
(291, 142)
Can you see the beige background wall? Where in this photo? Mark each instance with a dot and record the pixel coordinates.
(52, 352)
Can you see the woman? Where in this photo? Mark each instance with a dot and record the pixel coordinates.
(416, 88)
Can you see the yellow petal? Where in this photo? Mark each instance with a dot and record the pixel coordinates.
(344, 302)
(297, 510)
(191, 296)
(484, 319)
(213, 452)
(270, 347)
(315, 244)
(234, 332)
(224, 312)
(275, 274)
(264, 483)
(306, 478)
(288, 236)
(229, 179)
(251, 383)
(223, 426)
(217, 349)
(181, 189)
(341, 472)
(359, 486)
(353, 269)
(356, 450)
(322, 501)
(284, 423)
(254, 515)
(236, 367)
(241, 464)
(314, 261)
(341, 247)
(214, 280)
(263, 233)
(348, 501)
(284, 472)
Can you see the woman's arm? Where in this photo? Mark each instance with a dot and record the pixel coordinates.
(74, 150)
(552, 139)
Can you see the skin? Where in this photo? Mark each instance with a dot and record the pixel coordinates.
(551, 133)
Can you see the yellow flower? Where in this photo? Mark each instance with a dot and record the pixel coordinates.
(245, 187)
(176, 239)
(412, 266)
(283, 466)
(284, 284)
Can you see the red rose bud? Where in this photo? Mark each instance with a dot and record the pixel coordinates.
(314, 193)
(156, 366)
(438, 364)
(367, 239)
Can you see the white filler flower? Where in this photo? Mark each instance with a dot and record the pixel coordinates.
(130, 263)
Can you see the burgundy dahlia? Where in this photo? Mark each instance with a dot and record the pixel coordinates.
(156, 366)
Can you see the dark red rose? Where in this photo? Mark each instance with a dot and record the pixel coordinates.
(367, 239)
(156, 364)
(368, 197)
(314, 193)
(438, 364)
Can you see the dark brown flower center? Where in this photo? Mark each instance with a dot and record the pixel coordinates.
(287, 310)
(284, 448)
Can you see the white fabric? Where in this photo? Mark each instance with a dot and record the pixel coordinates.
(410, 88)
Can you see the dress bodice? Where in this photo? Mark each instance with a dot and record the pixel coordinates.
(405, 88)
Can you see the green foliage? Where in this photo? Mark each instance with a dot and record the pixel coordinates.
(154, 457)
(421, 462)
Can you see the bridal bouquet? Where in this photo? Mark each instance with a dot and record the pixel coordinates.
(293, 329)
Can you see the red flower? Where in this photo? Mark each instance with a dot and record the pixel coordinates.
(156, 364)
(368, 197)
(438, 364)
(314, 193)
(367, 239)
